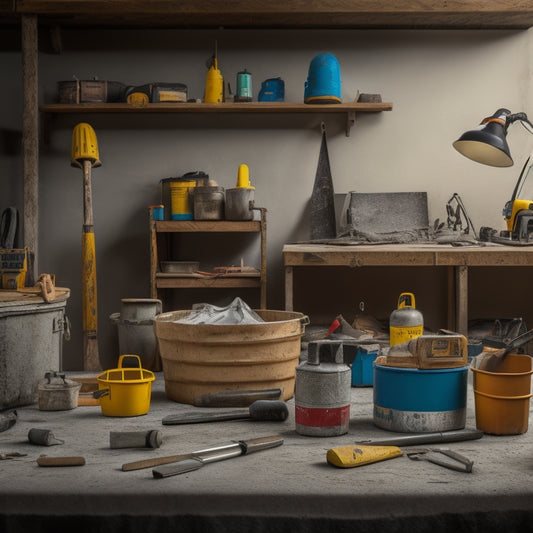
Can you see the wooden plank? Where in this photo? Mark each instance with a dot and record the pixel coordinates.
(406, 254)
(277, 13)
(207, 283)
(226, 107)
(487, 256)
(357, 256)
(192, 226)
(30, 137)
(30, 295)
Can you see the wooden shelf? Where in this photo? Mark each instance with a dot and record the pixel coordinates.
(229, 107)
(516, 14)
(349, 110)
(160, 230)
(221, 226)
(206, 283)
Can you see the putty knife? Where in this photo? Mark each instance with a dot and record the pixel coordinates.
(242, 447)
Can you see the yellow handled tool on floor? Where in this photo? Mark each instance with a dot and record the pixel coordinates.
(358, 455)
(84, 154)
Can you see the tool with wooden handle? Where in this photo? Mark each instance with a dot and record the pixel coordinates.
(241, 447)
(156, 461)
(61, 461)
(236, 398)
(84, 154)
(259, 410)
(490, 361)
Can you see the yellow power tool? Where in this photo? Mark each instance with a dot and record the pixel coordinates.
(517, 213)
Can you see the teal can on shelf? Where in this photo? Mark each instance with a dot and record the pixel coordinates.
(158, 212)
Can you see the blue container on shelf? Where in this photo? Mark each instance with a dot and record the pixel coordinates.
(363, 366)
(323, 84)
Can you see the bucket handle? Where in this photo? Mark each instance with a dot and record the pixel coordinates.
(122, 357)
(304, 321)
(97, 394)
(406, 299)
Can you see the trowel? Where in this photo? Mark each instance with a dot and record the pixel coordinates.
(322, 213)
(491, 360)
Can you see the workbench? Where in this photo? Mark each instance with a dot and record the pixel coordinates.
(290, 488)
(457, 259)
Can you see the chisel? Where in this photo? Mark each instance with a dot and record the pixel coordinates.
(259, 410)
(196, 461)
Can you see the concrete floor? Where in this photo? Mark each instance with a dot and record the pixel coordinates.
(288, 487)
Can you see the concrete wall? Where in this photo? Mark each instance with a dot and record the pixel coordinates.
(440, 82)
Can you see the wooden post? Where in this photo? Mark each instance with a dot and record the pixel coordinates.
(461, 299)
(30, 136)
(289, 288)
(263, 260)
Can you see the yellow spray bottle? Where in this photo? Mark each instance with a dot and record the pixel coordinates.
(214, 83)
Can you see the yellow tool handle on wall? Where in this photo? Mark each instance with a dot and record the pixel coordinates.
(358, 455)
(88, 290)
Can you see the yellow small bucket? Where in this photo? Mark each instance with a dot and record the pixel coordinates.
(125, 391)
(180, 200)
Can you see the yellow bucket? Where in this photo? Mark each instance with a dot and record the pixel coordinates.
(502, 398)
(125, 391)
(181, 200)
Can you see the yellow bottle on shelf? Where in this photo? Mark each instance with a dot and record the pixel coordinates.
(214, 83)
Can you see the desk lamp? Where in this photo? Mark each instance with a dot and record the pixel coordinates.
(487, 143)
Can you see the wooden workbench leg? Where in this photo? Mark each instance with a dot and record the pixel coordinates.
(289, 289)
(461, 299)
(451, 299)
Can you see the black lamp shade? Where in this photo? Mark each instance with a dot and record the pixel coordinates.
(486, 144)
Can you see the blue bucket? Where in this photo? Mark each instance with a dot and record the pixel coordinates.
(323, 84)
(412, 400)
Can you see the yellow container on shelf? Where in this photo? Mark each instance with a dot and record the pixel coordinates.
(181, 199)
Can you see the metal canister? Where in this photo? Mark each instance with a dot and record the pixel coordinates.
(322, 391)
(244, 87)
(405, 322)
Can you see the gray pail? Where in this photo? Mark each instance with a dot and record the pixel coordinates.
(32, 339)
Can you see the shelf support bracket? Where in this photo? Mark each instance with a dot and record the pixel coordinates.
(350, 121)
(350, 116)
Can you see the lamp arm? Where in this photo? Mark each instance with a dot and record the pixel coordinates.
(522, 117)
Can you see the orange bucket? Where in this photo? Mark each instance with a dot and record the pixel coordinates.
(502, 398)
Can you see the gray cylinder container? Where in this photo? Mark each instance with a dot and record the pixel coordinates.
(322, 391)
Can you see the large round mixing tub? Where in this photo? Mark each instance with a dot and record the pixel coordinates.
(210, 358)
